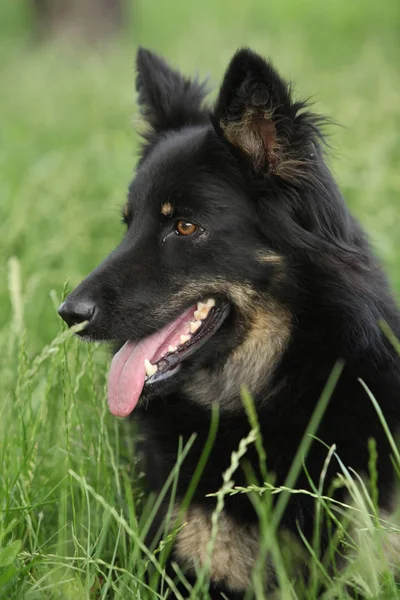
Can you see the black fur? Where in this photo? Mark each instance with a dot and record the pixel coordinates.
(328, 281)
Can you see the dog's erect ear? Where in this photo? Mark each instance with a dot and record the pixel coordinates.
(255, 113)
(167, 100)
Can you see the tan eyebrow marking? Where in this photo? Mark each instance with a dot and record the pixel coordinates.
(167, 209)
(268, 257)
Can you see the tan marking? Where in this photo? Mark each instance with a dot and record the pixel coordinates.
(167, 209)
(251, 364)
(264, 256)
(241, 294)
(125, 211)
(235, 548)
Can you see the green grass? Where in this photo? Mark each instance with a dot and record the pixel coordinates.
(72, 511)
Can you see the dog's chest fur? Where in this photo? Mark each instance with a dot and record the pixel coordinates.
(234, 551)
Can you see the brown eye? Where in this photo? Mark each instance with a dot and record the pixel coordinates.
(185, 228)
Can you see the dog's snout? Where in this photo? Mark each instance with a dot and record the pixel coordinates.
(76, 311)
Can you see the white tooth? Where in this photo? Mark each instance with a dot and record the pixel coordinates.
(200, 305)
(149, 368)
(210, 302)
(194, 325)
(204, 312)
(184, 339)
(172, 348)
(199, 315)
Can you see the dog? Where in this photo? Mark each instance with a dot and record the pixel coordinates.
(241, 266)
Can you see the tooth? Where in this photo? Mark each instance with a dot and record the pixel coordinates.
(204, 312)
(184, 339)
(199, 315)
(200, 305)
(210, 302)
(149, 368)
(172, 348)
(194, 325)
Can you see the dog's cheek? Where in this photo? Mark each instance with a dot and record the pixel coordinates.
(251, 363)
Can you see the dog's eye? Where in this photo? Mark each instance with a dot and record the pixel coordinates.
(185, 228)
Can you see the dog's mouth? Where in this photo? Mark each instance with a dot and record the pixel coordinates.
(160, 355)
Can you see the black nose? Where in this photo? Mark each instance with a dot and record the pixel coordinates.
(76, 311)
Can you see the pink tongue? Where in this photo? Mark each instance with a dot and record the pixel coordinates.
(127, 373)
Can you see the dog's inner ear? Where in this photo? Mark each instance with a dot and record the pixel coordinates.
(167, 99)
(255, 135)
(255, 114)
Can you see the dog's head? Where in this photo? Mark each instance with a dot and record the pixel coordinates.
(202, 289)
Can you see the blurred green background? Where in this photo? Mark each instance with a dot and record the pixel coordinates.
(68, 142)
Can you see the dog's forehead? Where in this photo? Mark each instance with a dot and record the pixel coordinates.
(177, 162)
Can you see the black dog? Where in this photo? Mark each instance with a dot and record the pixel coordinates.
(241, 265)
